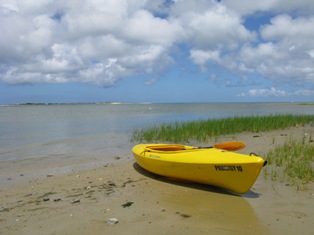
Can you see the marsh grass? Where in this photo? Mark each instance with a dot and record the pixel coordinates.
(202, 130)
(296, 158)
(292, 161)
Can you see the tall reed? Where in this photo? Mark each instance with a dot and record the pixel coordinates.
(203, 130)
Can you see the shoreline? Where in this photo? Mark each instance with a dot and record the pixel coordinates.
(83, 201)
(148, 103)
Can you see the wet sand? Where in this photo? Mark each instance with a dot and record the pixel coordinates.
(82, 202)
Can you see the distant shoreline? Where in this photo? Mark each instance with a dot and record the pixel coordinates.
(77, 103)
(111, 102)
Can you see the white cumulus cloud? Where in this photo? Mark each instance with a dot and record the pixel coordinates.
(103, 41)
(265, 92)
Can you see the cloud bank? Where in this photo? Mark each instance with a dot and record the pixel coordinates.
(101, 42)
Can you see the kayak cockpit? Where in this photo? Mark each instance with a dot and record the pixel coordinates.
(166, 147)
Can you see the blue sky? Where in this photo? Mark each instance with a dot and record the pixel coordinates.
(156, 51)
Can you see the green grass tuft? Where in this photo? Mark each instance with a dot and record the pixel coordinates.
(203, 130)
(296, 158)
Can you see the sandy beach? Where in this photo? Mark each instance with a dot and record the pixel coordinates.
(121, 198)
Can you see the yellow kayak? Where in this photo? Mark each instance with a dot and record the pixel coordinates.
(218, 167)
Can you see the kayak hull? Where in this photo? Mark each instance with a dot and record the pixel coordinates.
(232, 171)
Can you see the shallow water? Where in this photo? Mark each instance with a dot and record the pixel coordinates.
(34, 138)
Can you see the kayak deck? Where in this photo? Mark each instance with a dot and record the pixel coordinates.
(226, 169)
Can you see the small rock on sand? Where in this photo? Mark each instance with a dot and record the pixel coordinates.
(112, 221)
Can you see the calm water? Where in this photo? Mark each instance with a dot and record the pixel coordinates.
(61, 136)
